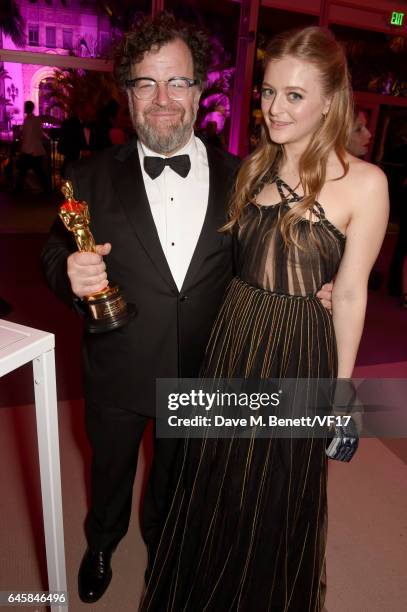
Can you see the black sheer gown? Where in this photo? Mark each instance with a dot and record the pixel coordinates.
(247, 526)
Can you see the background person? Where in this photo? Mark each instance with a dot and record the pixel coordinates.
(360, 135)
(32, 156)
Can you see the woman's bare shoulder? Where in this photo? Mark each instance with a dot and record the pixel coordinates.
(360, 191)
(368, 189)
(364, 175)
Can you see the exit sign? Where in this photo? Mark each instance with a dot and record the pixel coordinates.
(397, 18)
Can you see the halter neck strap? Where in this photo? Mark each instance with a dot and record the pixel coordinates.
(281, 185)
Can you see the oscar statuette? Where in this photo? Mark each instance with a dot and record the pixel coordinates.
(107, 309)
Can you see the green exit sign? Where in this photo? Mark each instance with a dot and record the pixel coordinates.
(397, 18)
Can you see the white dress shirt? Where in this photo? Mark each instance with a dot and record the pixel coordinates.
(178, 205)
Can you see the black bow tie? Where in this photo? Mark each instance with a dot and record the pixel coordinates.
(179, 163)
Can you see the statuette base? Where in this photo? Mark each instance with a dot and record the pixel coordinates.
(108, 310)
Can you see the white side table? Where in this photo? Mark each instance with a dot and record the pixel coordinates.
(18, 346)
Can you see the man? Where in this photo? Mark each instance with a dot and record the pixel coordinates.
(32, 149)
(81, 135)
(71, 141)
(155, 206)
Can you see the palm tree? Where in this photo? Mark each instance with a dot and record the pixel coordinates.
(11, 22)
(12, 25)
(70, 90)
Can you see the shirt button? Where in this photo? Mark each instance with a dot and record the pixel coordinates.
(172, 243)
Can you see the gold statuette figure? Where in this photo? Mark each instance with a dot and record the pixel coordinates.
(107, 308)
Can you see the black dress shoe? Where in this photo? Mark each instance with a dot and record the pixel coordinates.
(94, 575)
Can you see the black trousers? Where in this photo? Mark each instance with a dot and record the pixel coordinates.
(115, 437)
(31, 162)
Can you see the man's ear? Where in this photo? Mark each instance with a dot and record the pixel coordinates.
(201, 90)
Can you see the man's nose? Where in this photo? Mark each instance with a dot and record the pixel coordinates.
(161, 97)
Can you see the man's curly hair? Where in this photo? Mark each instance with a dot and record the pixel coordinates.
(151, 34)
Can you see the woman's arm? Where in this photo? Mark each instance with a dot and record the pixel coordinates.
(364, 237)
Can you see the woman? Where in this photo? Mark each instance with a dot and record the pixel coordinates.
(247, 526)
(360, 136)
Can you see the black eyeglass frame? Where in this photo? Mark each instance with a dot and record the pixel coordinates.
(190, 82)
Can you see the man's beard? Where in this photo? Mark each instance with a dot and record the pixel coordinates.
(165, 141)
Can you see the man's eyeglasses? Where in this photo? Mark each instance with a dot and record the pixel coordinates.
(146, 89)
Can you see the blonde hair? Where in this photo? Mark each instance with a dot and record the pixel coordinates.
(318, 47)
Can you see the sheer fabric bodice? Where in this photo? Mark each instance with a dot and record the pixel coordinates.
(265, 262)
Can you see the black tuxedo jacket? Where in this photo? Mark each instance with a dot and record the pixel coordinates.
(168, 336)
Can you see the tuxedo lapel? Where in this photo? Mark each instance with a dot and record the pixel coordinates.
(129, 185)
(210, 239)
